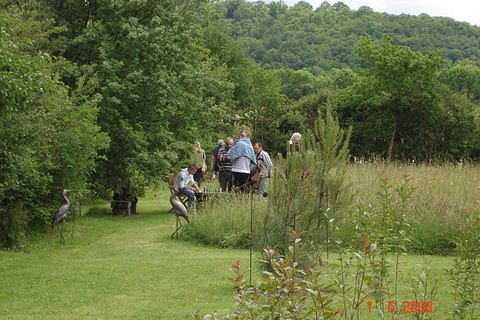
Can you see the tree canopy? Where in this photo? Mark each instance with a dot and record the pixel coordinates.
(301, 36)
(49, 136)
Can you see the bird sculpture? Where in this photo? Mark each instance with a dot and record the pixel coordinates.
(61, 214)
(180, 211)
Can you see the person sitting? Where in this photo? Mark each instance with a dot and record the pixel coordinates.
(184, 183)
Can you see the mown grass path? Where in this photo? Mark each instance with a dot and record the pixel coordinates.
(116, 268)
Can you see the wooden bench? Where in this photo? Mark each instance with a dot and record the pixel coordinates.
(123, 207)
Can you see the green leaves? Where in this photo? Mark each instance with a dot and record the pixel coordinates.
(398, 98)
(49, 139)
(466, 269)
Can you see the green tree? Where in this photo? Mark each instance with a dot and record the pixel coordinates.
(268, 105)
(300, 36)
(49, 137)
(463, 77)
(310, 105)
(401, 87)
(162, 82)
(309, 185)
(457, 126)
(297, 83)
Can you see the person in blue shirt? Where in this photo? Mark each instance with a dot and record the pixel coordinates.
(243, 158)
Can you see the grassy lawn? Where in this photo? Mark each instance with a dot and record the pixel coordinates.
(116, 268)
(130, 268)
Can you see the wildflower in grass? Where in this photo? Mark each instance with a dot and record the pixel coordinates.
(307, 174)
(236, 266)
(238, 280)
(366, 244)
(341, 312)
(309, 271)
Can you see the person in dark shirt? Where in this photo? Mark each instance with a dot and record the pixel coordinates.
(220, 144)
(225, 166)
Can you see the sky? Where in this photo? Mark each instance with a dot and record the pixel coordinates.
(460, 10)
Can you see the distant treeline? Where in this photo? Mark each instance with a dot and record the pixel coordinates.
(301, 36)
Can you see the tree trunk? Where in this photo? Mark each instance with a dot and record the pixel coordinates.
(392, 140)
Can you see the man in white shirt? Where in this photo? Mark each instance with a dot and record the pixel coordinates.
(185, 184)
(264, 164)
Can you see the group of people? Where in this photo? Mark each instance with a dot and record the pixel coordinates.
(236, 161)
(233, 162)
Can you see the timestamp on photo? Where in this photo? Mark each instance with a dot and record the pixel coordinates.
(407, 306)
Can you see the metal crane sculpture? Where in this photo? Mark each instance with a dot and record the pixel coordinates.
(61, 214)
(180, 211)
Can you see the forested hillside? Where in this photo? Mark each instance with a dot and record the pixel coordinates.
(408, 85)
(100, 96)
(305, 37)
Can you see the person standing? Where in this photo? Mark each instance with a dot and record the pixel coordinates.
(264, 165)
(243, 158)
(295, 142)
(184, 183)
(198, 159)
(220, 144)
(225, 166)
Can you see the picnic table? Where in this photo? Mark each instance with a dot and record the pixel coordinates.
(123, 205)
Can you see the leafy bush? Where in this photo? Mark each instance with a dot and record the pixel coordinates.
(466, 270)
(288, 291)
(13, 223)
(309, 186)
(48, 137)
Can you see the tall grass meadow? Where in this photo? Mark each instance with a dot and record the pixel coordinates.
(319, 193)
(442, 198)
(225, 221)
(370, 214)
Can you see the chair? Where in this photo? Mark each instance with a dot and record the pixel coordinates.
(182, 198)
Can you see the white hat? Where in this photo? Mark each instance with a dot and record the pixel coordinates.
(295, 139)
